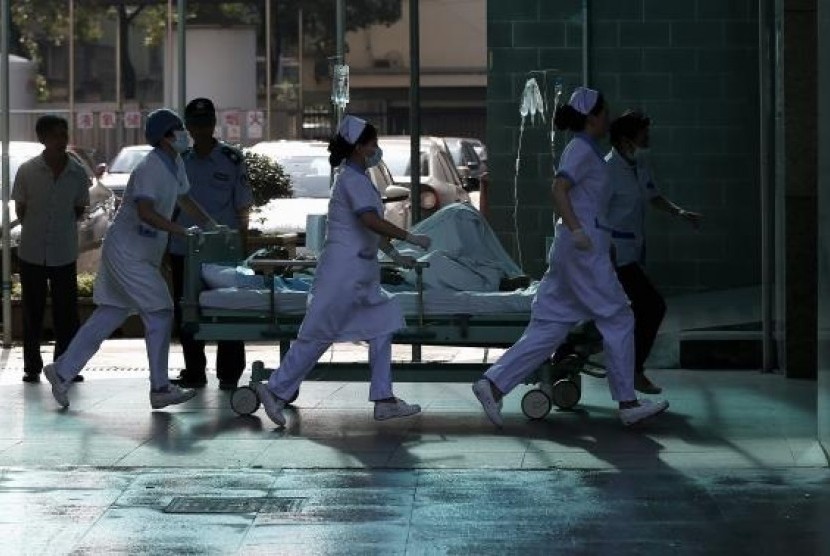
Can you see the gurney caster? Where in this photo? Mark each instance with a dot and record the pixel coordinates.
(566, 393)
(244, 401)
(536, 404)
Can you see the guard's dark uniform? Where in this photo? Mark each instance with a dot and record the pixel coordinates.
(219, 183)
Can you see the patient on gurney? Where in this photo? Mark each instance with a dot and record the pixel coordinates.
(469, 274)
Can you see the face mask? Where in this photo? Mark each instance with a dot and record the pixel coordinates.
(181, 142)
(375, 159)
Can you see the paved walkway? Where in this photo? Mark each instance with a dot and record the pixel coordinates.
(733, 468)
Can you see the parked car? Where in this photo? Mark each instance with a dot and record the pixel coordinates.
(307, 163)
(472, 169)
(441, 184)
(96, 220)
(480, 148)
(116, 175)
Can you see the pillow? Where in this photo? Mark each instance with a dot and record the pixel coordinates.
(224, 276)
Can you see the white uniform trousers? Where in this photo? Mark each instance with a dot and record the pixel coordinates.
(304, 354)
(542, 337)
(100, 326)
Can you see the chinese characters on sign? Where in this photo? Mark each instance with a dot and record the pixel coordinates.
(132, 120)
(84, 120)
(233, 129)
(107, 120)
(256, 120)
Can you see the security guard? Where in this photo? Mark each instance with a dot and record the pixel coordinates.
(219, 183)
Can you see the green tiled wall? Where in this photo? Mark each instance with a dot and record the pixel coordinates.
(692, 66)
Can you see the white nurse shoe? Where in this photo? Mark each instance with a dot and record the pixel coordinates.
(646, 409)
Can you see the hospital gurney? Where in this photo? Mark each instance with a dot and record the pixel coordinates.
(558, 383)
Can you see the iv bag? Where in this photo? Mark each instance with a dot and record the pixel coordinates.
(532, 101)
(340, 86)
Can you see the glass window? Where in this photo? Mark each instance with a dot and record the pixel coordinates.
(398, 162)
(448, 169)
(310, 175)
(126, 161)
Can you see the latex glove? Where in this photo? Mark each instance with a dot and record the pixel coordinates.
(199, 233)
(582, 241)
(419, 240)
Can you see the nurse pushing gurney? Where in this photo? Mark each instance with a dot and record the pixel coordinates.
(346, 303)
(580, 283)
(129, 279)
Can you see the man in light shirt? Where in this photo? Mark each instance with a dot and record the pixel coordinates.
(51, 192)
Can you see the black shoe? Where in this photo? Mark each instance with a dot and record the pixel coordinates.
(78, 378)
(31, 377)
(186, 381)
(227, 386)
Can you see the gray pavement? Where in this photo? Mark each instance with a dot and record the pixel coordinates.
(733, 468)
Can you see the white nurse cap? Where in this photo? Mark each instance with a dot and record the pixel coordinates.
(584, 100)
(350, 128)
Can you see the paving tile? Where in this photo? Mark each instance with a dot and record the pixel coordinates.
(91, 449)
(184, 451)
(403, 459)
(304, 454)
(150, 531)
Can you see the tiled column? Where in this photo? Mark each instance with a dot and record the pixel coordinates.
(824, 226)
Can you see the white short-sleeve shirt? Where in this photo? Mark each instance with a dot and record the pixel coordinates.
(632, 188)
(583, 164)
(162, 180)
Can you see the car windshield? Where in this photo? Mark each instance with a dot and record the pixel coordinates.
(455, 151)
(126, 161)
(310, 175)
(398, 161)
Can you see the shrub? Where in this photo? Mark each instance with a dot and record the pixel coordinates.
(267, 178)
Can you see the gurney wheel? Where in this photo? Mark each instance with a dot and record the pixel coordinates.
(244, 401)
(536, 404)
(566, 393)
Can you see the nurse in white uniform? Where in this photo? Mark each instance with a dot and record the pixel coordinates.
(129, 280)
(347, 303)
(580, 282)
(633, 189)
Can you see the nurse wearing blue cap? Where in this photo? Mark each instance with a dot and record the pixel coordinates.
(129, 280)
(347, 302)
(580, 283)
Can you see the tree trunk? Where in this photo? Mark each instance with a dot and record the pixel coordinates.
(128, 80)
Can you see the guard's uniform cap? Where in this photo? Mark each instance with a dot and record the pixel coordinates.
(200, 111)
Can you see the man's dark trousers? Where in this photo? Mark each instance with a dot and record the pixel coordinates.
(36, 283)
(230, 355)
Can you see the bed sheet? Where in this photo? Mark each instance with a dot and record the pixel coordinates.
(435, 303)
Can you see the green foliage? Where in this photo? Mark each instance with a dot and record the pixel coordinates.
(86, 281)
(40, 21)
(267, 178)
